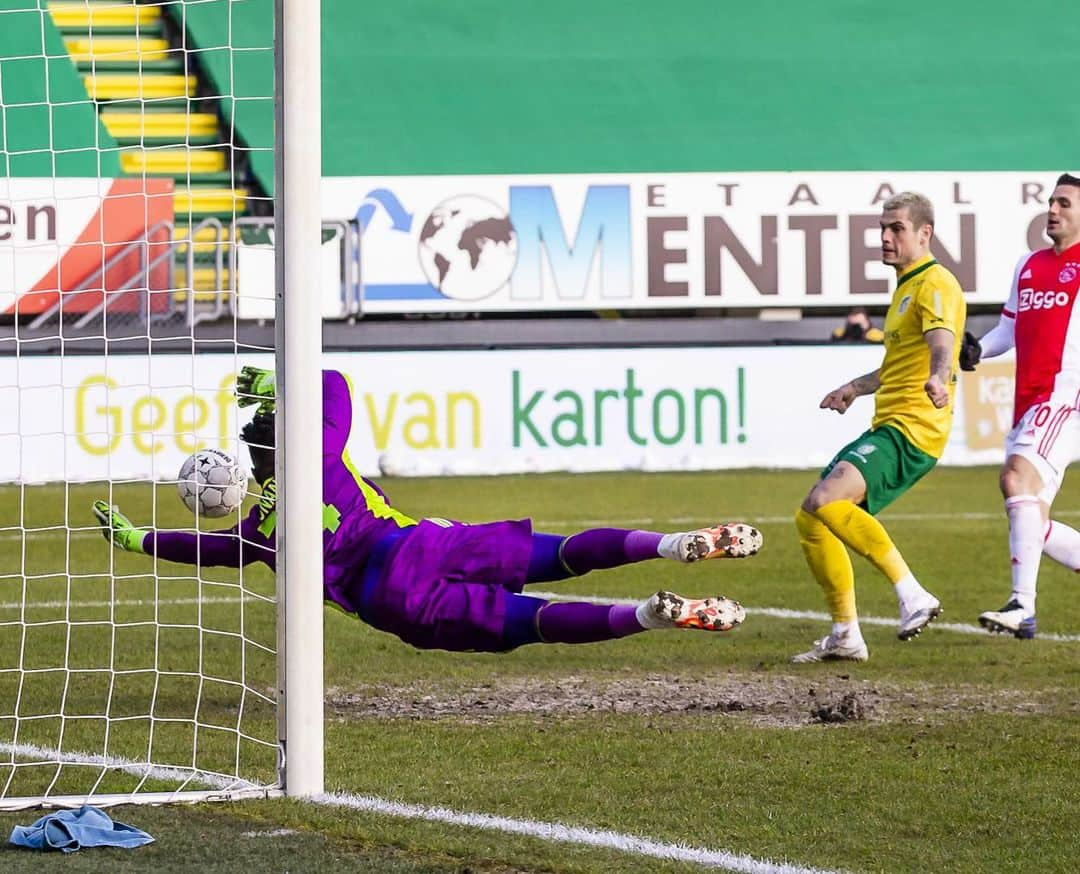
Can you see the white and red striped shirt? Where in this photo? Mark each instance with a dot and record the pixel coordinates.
(1043, 305)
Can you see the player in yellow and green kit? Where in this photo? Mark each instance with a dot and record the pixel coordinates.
(913, 397)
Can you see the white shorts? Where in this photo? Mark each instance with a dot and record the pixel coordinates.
(1047, 435)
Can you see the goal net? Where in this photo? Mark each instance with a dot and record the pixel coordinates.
(138, 147)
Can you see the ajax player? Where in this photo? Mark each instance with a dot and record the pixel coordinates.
(1041, 320)
(435, 583)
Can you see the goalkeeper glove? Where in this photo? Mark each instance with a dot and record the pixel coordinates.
(255, 386)
(117, 528)
(970, 351)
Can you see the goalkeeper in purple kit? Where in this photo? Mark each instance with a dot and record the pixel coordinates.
(436, 583)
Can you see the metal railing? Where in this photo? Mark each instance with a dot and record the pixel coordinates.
(348, 258)
(224, 264)
(221, 292)
(93, 283)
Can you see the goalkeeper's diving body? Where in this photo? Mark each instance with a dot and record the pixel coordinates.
(436, 583)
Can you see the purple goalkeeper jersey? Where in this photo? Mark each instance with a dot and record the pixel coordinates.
(356, 514)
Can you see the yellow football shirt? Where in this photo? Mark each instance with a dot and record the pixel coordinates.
(927, 296)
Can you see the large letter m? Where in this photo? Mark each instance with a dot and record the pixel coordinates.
(596, 266)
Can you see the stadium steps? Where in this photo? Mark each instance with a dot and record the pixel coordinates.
(208, 240)
(209, 262)
(150, 97)
(206, 282)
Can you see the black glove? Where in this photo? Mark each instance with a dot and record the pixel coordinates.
(258, 434)
(970, 352)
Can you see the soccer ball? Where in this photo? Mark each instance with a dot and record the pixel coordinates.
(212, 483)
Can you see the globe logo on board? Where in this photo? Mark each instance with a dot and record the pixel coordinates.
(468, 247)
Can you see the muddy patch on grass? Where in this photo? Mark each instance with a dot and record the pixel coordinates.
(767, 700)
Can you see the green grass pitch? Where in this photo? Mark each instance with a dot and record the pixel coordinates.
(956, 751)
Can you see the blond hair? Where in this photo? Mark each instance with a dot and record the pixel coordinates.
(919, 208)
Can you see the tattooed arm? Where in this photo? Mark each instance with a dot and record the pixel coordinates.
(841, 398)
(941, 342)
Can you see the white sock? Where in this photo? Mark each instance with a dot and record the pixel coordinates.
(909, 592)
(668, 547)
(1062, 544)
(647, 618)
(848, 631)
(1026, 533)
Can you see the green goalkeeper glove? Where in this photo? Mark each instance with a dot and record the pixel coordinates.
(255, 386)
(117, 528)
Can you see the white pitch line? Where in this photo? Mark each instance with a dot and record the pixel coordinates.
(554, 831)
(784, 613)
(79, 533)
(549, 831)
(775, 612)
(779, 520)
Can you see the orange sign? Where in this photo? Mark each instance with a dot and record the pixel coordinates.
(101, 261)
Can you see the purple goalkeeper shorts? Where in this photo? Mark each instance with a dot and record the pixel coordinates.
(440, 587)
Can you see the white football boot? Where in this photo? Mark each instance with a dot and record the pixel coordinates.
(833, 648)
(913, 620)
(668, 610)
(1012, 619)
(726, 540)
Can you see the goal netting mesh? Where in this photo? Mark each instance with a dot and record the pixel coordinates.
(136, 159)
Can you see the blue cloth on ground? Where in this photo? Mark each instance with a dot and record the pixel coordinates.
(70, 830)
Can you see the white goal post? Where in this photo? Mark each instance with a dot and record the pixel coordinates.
(298, 225)
(135, 145)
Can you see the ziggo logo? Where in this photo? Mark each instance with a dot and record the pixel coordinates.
(1043, 300)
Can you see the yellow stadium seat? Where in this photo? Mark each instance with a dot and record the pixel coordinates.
(208, 240)
(176, 126)
(126, 86)
(209, 201)
(117, 48)
(175, 162)
(79, 14)
(205, 279)
(206, 233)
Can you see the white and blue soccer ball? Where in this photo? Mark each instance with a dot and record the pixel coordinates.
(212, 483)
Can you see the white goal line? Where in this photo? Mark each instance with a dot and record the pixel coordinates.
(773, 612)
(549, 831)
(559, 833)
